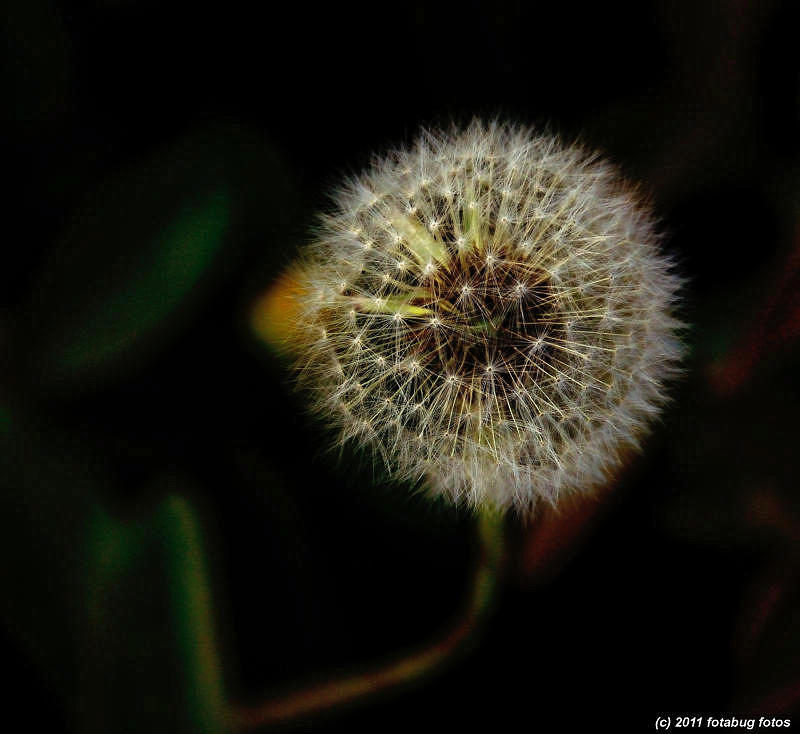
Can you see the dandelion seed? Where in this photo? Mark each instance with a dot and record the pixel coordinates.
(526, 336)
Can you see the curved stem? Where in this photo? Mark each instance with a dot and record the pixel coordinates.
(371, 681)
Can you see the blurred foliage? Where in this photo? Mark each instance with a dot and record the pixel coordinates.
(106, 606)
(150, 626)
(142, 253)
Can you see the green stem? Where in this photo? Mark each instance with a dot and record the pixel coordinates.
(303, 702)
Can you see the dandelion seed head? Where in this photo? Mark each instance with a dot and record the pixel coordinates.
(499, 322)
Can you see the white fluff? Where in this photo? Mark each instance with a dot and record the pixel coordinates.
(489, 312)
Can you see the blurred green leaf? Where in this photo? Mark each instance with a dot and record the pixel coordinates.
(192, 611)
(144, 253)
(151, 662)
(152, 290)
(114, 611)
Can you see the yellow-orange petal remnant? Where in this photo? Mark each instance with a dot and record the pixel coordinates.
(275, 313)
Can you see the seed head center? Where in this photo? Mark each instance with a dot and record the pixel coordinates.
(488, 313)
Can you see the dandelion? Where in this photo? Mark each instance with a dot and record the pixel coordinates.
(490, 314)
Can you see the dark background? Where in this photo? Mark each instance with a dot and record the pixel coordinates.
(118, 387)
